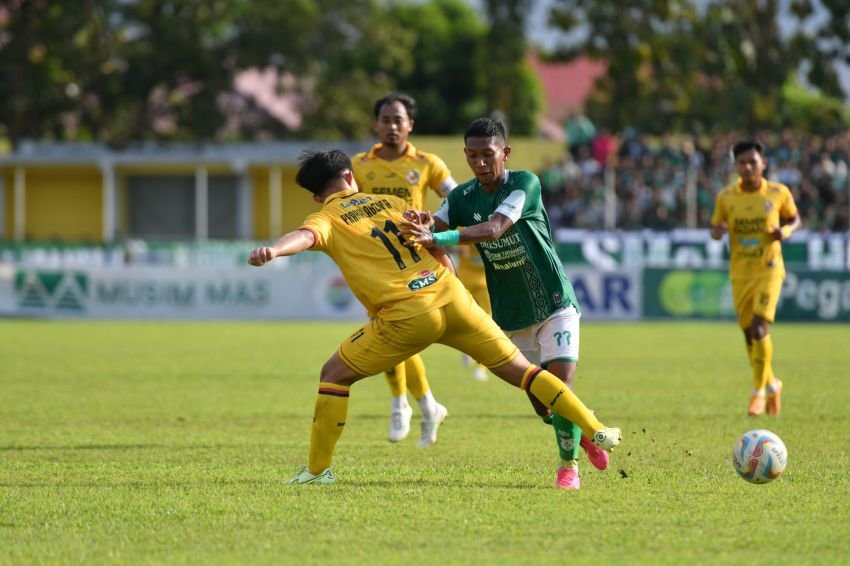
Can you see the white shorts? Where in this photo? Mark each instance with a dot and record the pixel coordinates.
(555, 339)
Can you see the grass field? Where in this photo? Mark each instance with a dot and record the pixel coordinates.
(170, 443)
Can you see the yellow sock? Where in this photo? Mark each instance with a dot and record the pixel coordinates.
(555, 394)
(762, 362)
(397, 380)
(772, 378)
(417, 383)
(328, 422)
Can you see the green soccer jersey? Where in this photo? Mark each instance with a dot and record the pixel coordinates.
(525, 277)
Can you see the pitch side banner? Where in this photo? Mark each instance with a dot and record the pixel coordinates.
(607, 295)
(692, 249)
(307, 291)
(814, 296)
(283, 290)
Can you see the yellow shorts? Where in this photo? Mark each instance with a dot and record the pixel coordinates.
(461, 324)
(482, 297)
(758, 295)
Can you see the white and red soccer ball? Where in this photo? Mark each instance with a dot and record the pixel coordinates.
(759, 456)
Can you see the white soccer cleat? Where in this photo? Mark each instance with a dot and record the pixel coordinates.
(400, 424)
(326, 477)
(429, 427)
(607, 438)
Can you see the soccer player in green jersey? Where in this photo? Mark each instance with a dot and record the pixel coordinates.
(531, 297)
(413, 299)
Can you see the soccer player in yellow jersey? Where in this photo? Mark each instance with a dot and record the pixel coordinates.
(395, 167)
(753, 211)
(470, 271)
(413, 299)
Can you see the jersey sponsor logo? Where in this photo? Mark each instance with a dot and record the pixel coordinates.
(355, 202)
(401, 192)
(425, 279)
(749, 225)
(412, 176)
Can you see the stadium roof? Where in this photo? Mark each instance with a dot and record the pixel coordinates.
(237, 155)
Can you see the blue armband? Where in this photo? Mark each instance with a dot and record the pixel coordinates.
(447, 238)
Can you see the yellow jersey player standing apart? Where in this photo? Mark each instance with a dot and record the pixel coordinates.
(413, 300)
(470, 271)
(395, 167)
(752, 210)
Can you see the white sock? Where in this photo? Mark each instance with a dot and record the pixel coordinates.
(400, 403)
(428, 406)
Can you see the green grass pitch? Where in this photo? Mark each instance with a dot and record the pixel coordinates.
(170, 443)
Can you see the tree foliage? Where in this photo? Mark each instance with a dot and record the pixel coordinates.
(119, 70)
(721, 64)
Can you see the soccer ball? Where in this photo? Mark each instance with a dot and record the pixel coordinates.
(759, 456)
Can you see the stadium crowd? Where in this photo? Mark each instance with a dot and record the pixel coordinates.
(650, 174)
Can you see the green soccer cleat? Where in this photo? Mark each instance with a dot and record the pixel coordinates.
(304, 476)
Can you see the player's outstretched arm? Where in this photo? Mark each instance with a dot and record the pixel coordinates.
(418, 233)
(288, 244)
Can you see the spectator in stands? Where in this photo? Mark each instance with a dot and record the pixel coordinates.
(646, 169)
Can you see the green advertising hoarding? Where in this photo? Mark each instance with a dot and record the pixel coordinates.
(819, 296)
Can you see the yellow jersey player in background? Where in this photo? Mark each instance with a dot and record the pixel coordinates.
(470, 271)
(395, 167)
(413, 300)
(753, 210)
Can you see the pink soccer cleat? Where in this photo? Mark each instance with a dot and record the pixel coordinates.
(567, 479)
(597, 456)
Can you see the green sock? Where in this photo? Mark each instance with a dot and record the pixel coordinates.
(568, 436)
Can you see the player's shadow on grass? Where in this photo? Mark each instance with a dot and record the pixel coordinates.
(441, 483)
(455, 417)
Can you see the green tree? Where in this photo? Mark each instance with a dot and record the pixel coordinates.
(511, 87)
(676, 63)
(445, 76)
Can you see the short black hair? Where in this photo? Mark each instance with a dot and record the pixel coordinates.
(405, 99)
(747, 145)
(318, 168)
(485, 128)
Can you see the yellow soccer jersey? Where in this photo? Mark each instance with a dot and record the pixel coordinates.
(407, 177)
(360, 233)
(750, 217)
